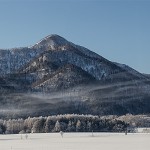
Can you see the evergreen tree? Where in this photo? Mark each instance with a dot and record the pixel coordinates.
(57, 127)
(38, 126)
(78, 126)
(49, 125)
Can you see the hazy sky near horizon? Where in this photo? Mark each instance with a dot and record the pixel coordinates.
(118, 30)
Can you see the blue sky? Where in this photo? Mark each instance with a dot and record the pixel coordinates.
(119, 30)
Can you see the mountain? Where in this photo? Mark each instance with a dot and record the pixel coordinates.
(147, 75)
(56, 76)
(65, 77)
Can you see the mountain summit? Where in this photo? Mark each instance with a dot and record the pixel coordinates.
(56, 76)
(52, 41)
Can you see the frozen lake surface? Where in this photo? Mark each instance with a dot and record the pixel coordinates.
(76, 141)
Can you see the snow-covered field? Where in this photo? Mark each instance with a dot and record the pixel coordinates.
(76, 141)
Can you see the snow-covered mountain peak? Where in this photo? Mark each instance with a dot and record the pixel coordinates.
(56, 38)
(52, 41)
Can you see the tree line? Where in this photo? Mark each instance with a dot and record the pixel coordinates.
(65, 123)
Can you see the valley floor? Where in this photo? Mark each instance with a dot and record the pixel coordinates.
(76, 141)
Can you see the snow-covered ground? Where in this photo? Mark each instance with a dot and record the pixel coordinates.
(76, 141)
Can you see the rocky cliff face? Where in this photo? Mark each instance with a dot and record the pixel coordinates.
(54, 64)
